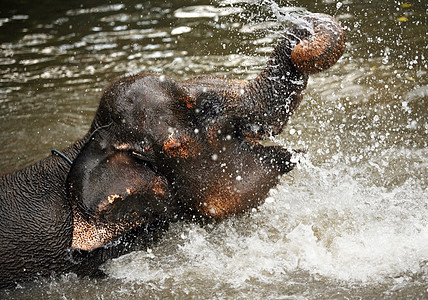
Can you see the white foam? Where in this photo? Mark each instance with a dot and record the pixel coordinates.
(325, 223)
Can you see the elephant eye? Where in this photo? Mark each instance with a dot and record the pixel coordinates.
(143, 159)
(138, 156)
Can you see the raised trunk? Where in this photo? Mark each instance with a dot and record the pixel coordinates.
(267, 102)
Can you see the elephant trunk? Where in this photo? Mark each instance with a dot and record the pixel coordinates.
(267, 102)
(322, 48)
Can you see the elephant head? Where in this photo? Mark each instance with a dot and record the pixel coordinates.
(158, 147)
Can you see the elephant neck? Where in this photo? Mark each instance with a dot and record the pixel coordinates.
(71, 152)
(47, 176)
(61, 161)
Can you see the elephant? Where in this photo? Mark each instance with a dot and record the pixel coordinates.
(159, 150)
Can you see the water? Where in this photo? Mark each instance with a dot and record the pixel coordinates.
(350, 222)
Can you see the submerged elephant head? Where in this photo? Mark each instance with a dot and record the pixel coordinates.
(158, 146)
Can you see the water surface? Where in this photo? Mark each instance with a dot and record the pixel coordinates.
(351, 221)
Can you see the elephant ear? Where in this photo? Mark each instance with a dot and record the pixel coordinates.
(113, 191)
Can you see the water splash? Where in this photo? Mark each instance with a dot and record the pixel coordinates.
(353, 216)
(325, 223)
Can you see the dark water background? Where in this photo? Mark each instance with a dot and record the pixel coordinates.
(350, 222)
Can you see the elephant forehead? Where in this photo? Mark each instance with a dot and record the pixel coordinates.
(145, 89)
(143, 100)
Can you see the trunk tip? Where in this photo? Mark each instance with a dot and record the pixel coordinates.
(322, 49)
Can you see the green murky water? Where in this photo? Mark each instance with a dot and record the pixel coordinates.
(350, 222)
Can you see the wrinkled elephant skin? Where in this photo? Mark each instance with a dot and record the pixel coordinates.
(158, 150)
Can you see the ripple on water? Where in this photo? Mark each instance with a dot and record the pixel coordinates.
(94, 10)
(352, 216)
(205, 11)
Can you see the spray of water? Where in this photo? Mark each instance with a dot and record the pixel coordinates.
(325, 222)
(340, 215)
(354, 212)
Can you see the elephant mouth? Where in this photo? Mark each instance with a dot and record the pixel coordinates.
(269, 142)
(255, 132)
(271, 121)
(264, 133)
(259, 137)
